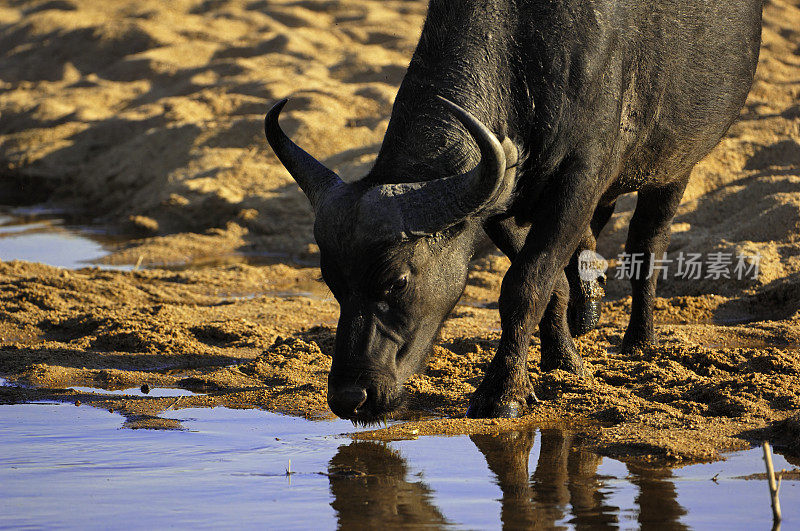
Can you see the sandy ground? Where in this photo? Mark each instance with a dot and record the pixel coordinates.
(146, 118)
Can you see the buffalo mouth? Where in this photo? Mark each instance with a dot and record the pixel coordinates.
(364, 406)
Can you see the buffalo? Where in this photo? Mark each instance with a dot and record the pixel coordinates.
(523, 120)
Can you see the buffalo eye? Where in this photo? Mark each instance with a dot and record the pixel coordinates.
(397, 285)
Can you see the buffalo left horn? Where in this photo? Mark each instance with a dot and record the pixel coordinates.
(314, 178)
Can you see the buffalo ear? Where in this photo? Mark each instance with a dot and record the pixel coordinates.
(429, 207)
(503, 197)
(314, 178)
(511, 151)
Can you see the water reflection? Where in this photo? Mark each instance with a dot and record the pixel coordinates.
(371, 487)
(67, 466)
(657, 499)
(564, 483)
(370, 490)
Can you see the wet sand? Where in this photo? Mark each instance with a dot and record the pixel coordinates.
(193, 329)
(146, 118)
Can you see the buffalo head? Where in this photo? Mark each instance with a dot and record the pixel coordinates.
(395, 257)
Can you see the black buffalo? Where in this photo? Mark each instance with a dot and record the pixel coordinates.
(523, 119)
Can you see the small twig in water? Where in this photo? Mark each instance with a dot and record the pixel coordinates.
(714, 479)
(174, 403)
(773, 487)
(289, 468)
(138, 262)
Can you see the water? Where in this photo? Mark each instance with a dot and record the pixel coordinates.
(36, 234)
(155, 392)
(41, 234)
(73, 467)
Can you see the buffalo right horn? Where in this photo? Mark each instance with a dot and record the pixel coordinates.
(314, 178)
(428, 207)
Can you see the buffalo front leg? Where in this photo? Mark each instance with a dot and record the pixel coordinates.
(557, 348)
(585, 295)
(648, 237)
(560, 223)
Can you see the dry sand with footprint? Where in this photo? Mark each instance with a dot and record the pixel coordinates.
(146, 118)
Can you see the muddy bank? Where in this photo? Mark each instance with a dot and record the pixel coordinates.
(687, 399)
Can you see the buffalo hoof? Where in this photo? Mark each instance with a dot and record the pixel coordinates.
(503, 403)
(559, 353)
(631, 343)
(585, 306)
(569, 361)
(639, 335)
(507, 410)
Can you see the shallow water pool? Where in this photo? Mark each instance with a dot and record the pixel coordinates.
(38, 234)
(74, 467)
(45, 235)
(155, 392)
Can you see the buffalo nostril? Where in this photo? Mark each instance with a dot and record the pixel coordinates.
(345, 402)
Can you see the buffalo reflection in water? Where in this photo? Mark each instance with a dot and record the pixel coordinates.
(371, 487)
(370, 490)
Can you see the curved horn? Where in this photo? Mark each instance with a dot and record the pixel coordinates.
(432, 206)
(486, 178)
(314, 178)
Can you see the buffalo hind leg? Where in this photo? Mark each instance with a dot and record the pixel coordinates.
(558, 348)
(648, 237)
(586, 296)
